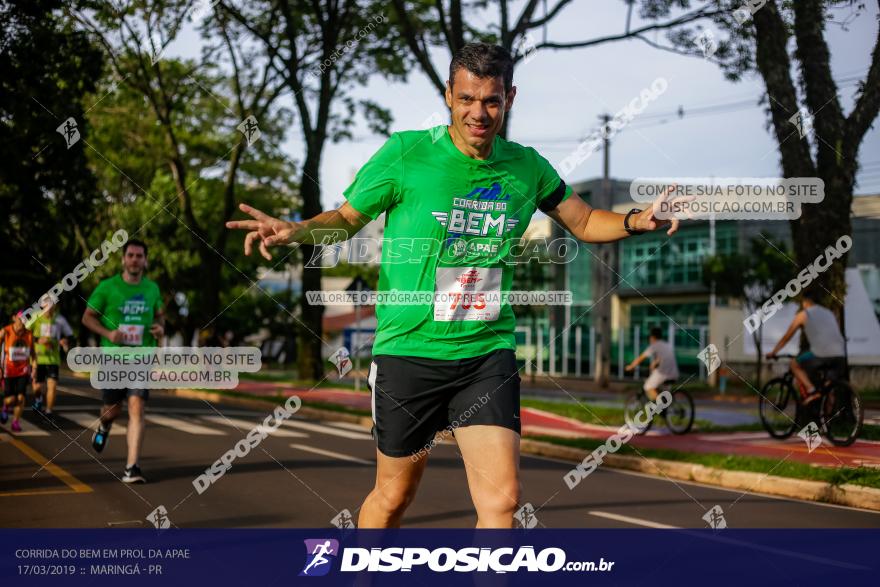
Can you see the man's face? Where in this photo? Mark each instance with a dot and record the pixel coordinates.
(134, 260)
(47, 306)
(477, 106)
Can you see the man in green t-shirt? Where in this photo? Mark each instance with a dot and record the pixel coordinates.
(50, 331)
(457, 199)
(126, 311)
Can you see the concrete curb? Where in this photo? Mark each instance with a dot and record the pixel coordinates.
(847, 495)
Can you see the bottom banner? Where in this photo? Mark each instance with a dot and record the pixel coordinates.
(206, 557)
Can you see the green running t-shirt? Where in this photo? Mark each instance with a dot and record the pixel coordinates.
(450, 224)
(127, 307)
(53, 328)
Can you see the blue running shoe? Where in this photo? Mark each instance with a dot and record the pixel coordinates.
(99, 439)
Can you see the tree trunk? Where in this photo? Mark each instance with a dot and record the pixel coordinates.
(758, 336)
(310, 361)
(811, 236)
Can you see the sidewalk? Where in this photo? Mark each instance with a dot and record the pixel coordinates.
(540, 423)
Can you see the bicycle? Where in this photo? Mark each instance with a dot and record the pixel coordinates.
(679, 414)
(838, 412)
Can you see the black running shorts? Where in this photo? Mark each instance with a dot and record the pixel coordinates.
(413, 398)
(47, 372)
(115, 396)
(14, 386)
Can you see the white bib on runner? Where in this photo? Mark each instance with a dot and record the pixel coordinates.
(19, 353)
(467, 293)
(46, 330)
(132, 334)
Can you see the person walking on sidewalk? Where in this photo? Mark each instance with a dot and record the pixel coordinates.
(50, 330)
(467, 195)
(126, 310)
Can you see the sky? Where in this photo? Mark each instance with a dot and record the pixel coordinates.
(561, 94)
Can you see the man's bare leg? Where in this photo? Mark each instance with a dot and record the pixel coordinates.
(397, 479)
(135, 435)
(491, 460)
(51, 385)
(19, 408)
(802, 377)
(109, 412)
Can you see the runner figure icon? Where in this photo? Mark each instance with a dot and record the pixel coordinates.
(320, 550)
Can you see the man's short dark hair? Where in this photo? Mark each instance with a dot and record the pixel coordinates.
(811, 295)
(483, 60)
(656, 333)
(136, 243)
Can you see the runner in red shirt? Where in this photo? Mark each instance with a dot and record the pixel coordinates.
(17, 359)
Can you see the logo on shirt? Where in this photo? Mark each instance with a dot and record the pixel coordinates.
(482, 212)
(135, 305)
(469, 279)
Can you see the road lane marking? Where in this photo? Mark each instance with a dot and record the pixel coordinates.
(27, 429)
(89, 420)
(183, 425)
(330, 453)
(630, 520)
(245, 426)
(349, 426)
(75, 484)
(324, 429)
(35, 492)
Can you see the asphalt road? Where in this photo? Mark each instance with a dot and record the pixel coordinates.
(311, 470)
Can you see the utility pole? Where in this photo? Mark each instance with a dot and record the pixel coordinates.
(604, 268)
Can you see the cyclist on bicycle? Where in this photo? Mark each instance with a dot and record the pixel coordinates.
(826, 344)
(663, 363)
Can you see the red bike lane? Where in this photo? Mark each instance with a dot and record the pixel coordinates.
(541, 423)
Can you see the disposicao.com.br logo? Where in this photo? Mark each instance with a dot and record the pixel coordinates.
(321, 552)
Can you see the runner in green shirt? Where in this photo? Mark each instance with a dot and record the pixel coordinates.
(126, 311)
(50, 331)
(456, 200)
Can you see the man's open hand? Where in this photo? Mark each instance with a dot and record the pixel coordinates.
(648, 220)
(270, 231)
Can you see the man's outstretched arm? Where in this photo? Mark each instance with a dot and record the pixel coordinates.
(325, 228)
(799, 320)
(590, 225)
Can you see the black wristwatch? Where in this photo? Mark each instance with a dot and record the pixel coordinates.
(626, 225)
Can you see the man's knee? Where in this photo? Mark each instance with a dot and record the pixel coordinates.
(500, 498)
(135, 407)
(395, 498)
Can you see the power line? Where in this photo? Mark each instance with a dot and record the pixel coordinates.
(706, 110)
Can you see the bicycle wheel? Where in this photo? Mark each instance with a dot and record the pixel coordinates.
(778, 408)
(842, 414)
(634, 405)
(679, 414)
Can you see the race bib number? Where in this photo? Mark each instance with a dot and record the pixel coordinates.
(132, 334)
(46, 330)
(19, 353)
(467, 293)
